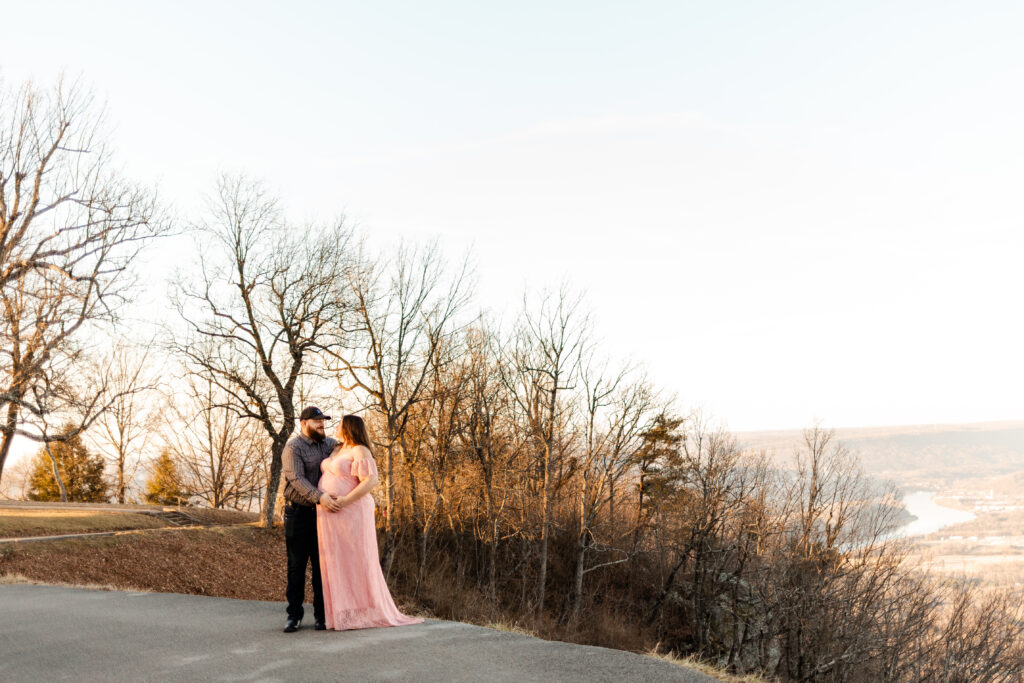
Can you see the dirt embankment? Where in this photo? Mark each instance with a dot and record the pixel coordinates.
(235, 562)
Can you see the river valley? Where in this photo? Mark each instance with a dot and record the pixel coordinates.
(930, 515)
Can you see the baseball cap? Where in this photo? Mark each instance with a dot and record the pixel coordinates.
(313, 413)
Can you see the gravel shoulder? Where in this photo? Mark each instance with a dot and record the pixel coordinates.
(58, 633)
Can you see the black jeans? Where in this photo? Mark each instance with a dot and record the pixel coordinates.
(301, 542)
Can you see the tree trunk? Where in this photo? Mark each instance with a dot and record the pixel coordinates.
(700, 618)
(638, 531)
(581, 551)
(421, 532)
(577, 586)
(120, 478)
(666, 588)
(492, 544)
(545, 502)
(428, 524)
(8, 434)
(388, 552)
(611, 499)
(56, 475)
(492, 566)
(273, 481)
(524, 575)
(424, 536)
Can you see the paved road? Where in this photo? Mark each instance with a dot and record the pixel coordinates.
(53, 633)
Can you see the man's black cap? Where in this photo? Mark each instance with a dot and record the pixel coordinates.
(313, 413)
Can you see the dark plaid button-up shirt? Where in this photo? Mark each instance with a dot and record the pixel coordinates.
(300, 466)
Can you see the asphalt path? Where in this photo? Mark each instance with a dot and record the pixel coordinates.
(55, 633)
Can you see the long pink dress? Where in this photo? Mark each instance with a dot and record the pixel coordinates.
(355, 593)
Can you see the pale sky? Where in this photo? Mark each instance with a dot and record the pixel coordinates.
(787, 211)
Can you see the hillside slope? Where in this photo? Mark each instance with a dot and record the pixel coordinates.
(931, 455)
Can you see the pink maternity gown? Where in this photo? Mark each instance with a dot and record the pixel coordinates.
(355, 593)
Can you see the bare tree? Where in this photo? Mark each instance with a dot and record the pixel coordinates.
(435, 447)
(980, 639)
(617, 409)
(487, 434)
(710, 487)
(70, 227)
(539, 366)
(14, 486)
(405, 311)
(260, 311)
(218, 453)
(76, 393)
(838, 568)
(125, 429)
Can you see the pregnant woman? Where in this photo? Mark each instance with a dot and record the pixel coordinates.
(355, 593)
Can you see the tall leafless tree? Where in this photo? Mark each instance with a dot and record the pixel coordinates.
(405, 310)
(123, 431)
(15, 485)
(617, 407)
(70, 228)
(540, 365)
(488, 434)
(258, 316)
(218, 453)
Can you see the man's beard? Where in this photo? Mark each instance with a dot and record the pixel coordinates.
(317, 436)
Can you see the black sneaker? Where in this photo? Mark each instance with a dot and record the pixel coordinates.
(320, 626)
(292, 626)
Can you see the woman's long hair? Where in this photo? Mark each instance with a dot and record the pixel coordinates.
(353, 430)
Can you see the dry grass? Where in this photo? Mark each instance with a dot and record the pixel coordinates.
(15, 523)
(211, 516)
(8, 579)
(13, 579)
(510, 628)
(705, 668)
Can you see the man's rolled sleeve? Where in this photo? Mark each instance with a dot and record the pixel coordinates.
(294, 477)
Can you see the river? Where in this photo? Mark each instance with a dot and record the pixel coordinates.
(930, 516)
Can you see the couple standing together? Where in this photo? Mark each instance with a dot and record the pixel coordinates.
(328, 522)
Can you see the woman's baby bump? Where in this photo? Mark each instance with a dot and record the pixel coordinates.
(336, 479)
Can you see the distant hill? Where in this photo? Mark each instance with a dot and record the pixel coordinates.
(925, 455)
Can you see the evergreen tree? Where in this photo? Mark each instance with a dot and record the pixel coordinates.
(80, 470)
(658, 461)
(164, 485)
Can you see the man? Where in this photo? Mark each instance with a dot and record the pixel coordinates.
(300, 465)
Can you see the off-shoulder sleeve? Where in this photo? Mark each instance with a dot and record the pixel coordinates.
(364, 467)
